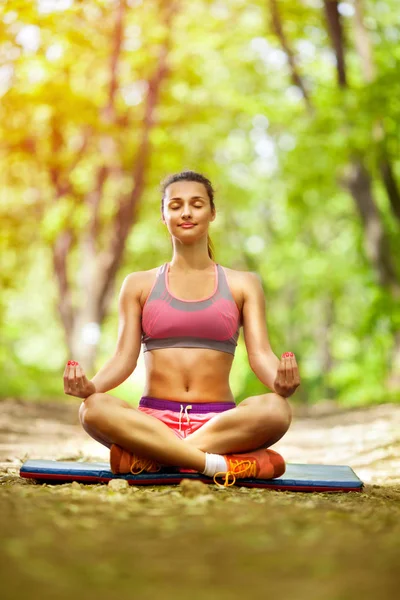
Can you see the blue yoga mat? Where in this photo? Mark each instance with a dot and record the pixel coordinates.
(301, 478)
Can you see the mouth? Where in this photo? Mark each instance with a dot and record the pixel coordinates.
(187, 225)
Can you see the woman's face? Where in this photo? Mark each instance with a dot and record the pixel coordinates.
(187, 202)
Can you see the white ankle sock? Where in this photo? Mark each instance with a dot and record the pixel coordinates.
(215, 463)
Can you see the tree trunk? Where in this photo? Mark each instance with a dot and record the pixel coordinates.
(393, 379)
(277, 27)
(335, 31)
(364, 48)
(390, 183)
(357, 179)
(324, 346)
(97, 269)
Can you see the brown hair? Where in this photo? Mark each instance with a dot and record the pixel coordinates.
(191, 176)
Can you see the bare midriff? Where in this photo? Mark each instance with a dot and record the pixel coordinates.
(190, 374)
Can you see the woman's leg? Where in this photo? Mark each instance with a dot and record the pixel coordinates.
(110, 420)
(257, 422)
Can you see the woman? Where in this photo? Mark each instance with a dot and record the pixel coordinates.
(187, 313)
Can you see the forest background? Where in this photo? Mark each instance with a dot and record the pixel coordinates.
(290, 107)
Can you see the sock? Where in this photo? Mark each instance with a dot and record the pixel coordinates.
(215, 463)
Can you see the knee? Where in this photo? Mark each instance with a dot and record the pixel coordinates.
(281, 410)
(91, 408)
(276, 413)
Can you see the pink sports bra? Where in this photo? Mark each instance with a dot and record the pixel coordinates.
(168, 322)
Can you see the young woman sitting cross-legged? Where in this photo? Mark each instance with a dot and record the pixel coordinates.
(187, 314)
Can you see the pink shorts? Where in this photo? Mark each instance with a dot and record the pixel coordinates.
(182, 417)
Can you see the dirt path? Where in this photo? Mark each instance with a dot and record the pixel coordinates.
(199, 541)
(366, 439)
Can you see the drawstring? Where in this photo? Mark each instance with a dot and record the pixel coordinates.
(180, 417)
(186, 413)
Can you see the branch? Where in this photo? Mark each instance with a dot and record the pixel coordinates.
(125, 216)
(364, 48)
(335, 31)
(363, 43)
(109, 110)
(390, 183)
(93, 199)
(60, 250)
(358, 181)
(62, 244)
(277, 27)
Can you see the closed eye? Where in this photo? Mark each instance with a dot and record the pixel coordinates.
(176, 207)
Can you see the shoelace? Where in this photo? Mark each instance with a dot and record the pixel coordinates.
(143, 464)
(242, 468)
(186, 413)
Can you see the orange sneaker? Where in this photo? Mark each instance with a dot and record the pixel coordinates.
(123, 461)
(259, 464)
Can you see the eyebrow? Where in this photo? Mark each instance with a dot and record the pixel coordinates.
(192, 198)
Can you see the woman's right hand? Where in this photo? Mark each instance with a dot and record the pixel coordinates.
(76, 382)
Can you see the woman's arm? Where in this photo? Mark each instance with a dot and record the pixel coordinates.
(280, 376)
(124, 360)
(262, 359)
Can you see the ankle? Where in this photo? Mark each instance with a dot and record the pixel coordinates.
(215, 463)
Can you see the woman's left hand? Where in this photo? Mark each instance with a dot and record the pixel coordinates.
(287, 378)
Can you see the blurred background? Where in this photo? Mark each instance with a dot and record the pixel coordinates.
(290, 107)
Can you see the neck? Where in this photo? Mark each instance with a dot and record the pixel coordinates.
(191, 260)
(180, 264)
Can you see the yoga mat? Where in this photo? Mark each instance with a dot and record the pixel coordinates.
(298, 477)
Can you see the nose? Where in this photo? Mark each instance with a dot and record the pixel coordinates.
(186, 212)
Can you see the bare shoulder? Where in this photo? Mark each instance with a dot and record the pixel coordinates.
(243, 285)
(137, 276)
(138, 283)
(243, 279)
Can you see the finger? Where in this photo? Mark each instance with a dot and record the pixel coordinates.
(284, 363)
(80, 378)
(280, 374)
(295, 370)
(76, 377)
(65, 374)
(65, 377)
(293, 374)
(289, 371)
(85, 381)
(71, 376)
(296, 375)
(67, 369)
(68, 375)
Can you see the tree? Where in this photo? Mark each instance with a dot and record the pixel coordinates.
(86, 132)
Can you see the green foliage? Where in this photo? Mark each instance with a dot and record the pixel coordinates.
(229, 109)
